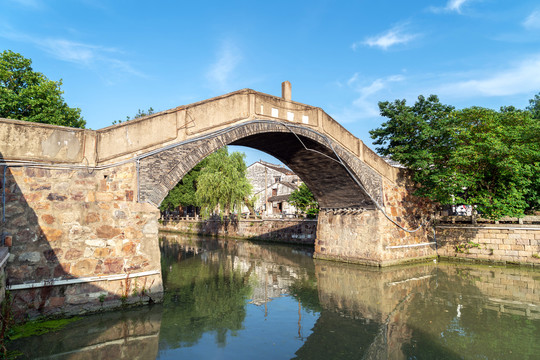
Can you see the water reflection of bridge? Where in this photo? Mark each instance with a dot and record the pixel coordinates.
(398, 305)
(394, 313)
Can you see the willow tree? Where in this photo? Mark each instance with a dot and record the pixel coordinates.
(222, 184)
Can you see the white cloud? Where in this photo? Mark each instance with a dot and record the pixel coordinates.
(521, 78)
(221, 71)
(451, 6)
(533, 20)
(98, 58)
(366, 103)
(396, 35)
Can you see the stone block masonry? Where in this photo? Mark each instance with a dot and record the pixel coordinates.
(79, 240)
(293, 231)
(500, 244)
(366, 236)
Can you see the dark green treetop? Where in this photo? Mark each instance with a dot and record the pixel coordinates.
(472, 156)
(29, 95)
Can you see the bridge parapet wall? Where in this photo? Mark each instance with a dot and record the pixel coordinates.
(57, 144)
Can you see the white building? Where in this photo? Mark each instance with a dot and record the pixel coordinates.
(272, 185)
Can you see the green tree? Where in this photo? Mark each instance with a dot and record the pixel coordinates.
(183, 194)
(303, 199)
(472, 156)
(534, 106)
(222, 183)
(140, 113)
(420, 137)
(497, 160)
(29, 95)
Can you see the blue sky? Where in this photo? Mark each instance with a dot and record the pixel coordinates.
(116, 57)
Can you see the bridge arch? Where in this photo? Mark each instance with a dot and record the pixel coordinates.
(79, 205)
(337, 178)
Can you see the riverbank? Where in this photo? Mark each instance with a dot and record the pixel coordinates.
(457, 238)
(290, 231)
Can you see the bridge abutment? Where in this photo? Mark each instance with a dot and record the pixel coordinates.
(79, 240)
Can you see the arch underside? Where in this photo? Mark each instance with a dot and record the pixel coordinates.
(306, 152)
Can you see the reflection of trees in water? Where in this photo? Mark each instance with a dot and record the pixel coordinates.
(209, 292)
(201, 297)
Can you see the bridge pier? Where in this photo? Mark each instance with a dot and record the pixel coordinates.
(366, 236)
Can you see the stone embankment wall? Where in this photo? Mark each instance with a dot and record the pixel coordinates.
(294, 231)
(78, 240)
(496, 243)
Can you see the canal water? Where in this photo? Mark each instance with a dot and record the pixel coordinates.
(228, 299)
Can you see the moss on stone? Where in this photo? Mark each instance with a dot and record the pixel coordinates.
(39, 327)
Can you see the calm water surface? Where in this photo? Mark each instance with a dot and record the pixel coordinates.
(242, 300)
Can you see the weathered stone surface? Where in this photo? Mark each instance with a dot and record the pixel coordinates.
(102, 252)
(78, 232)
(151, 228)
(107, 232)
(129, 248)
(92, 217)
(73, 254)
(56, 197)
(84, 268)
(119, 214)
(52, 234)
(96, 243)
(32, 257)
(48, 218)
(113, 266)
(52, 255)
(57, 301)
(62, 270)
(495, 244)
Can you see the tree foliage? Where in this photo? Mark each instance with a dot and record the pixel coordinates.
(303, 199)
(473, 156)
(222, 184)
(183, 194)
(140, 113)
(29, 95)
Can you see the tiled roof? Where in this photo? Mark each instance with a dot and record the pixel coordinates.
(279, 168)
(279, 198)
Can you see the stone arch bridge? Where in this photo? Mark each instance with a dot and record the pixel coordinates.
(79, 207)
